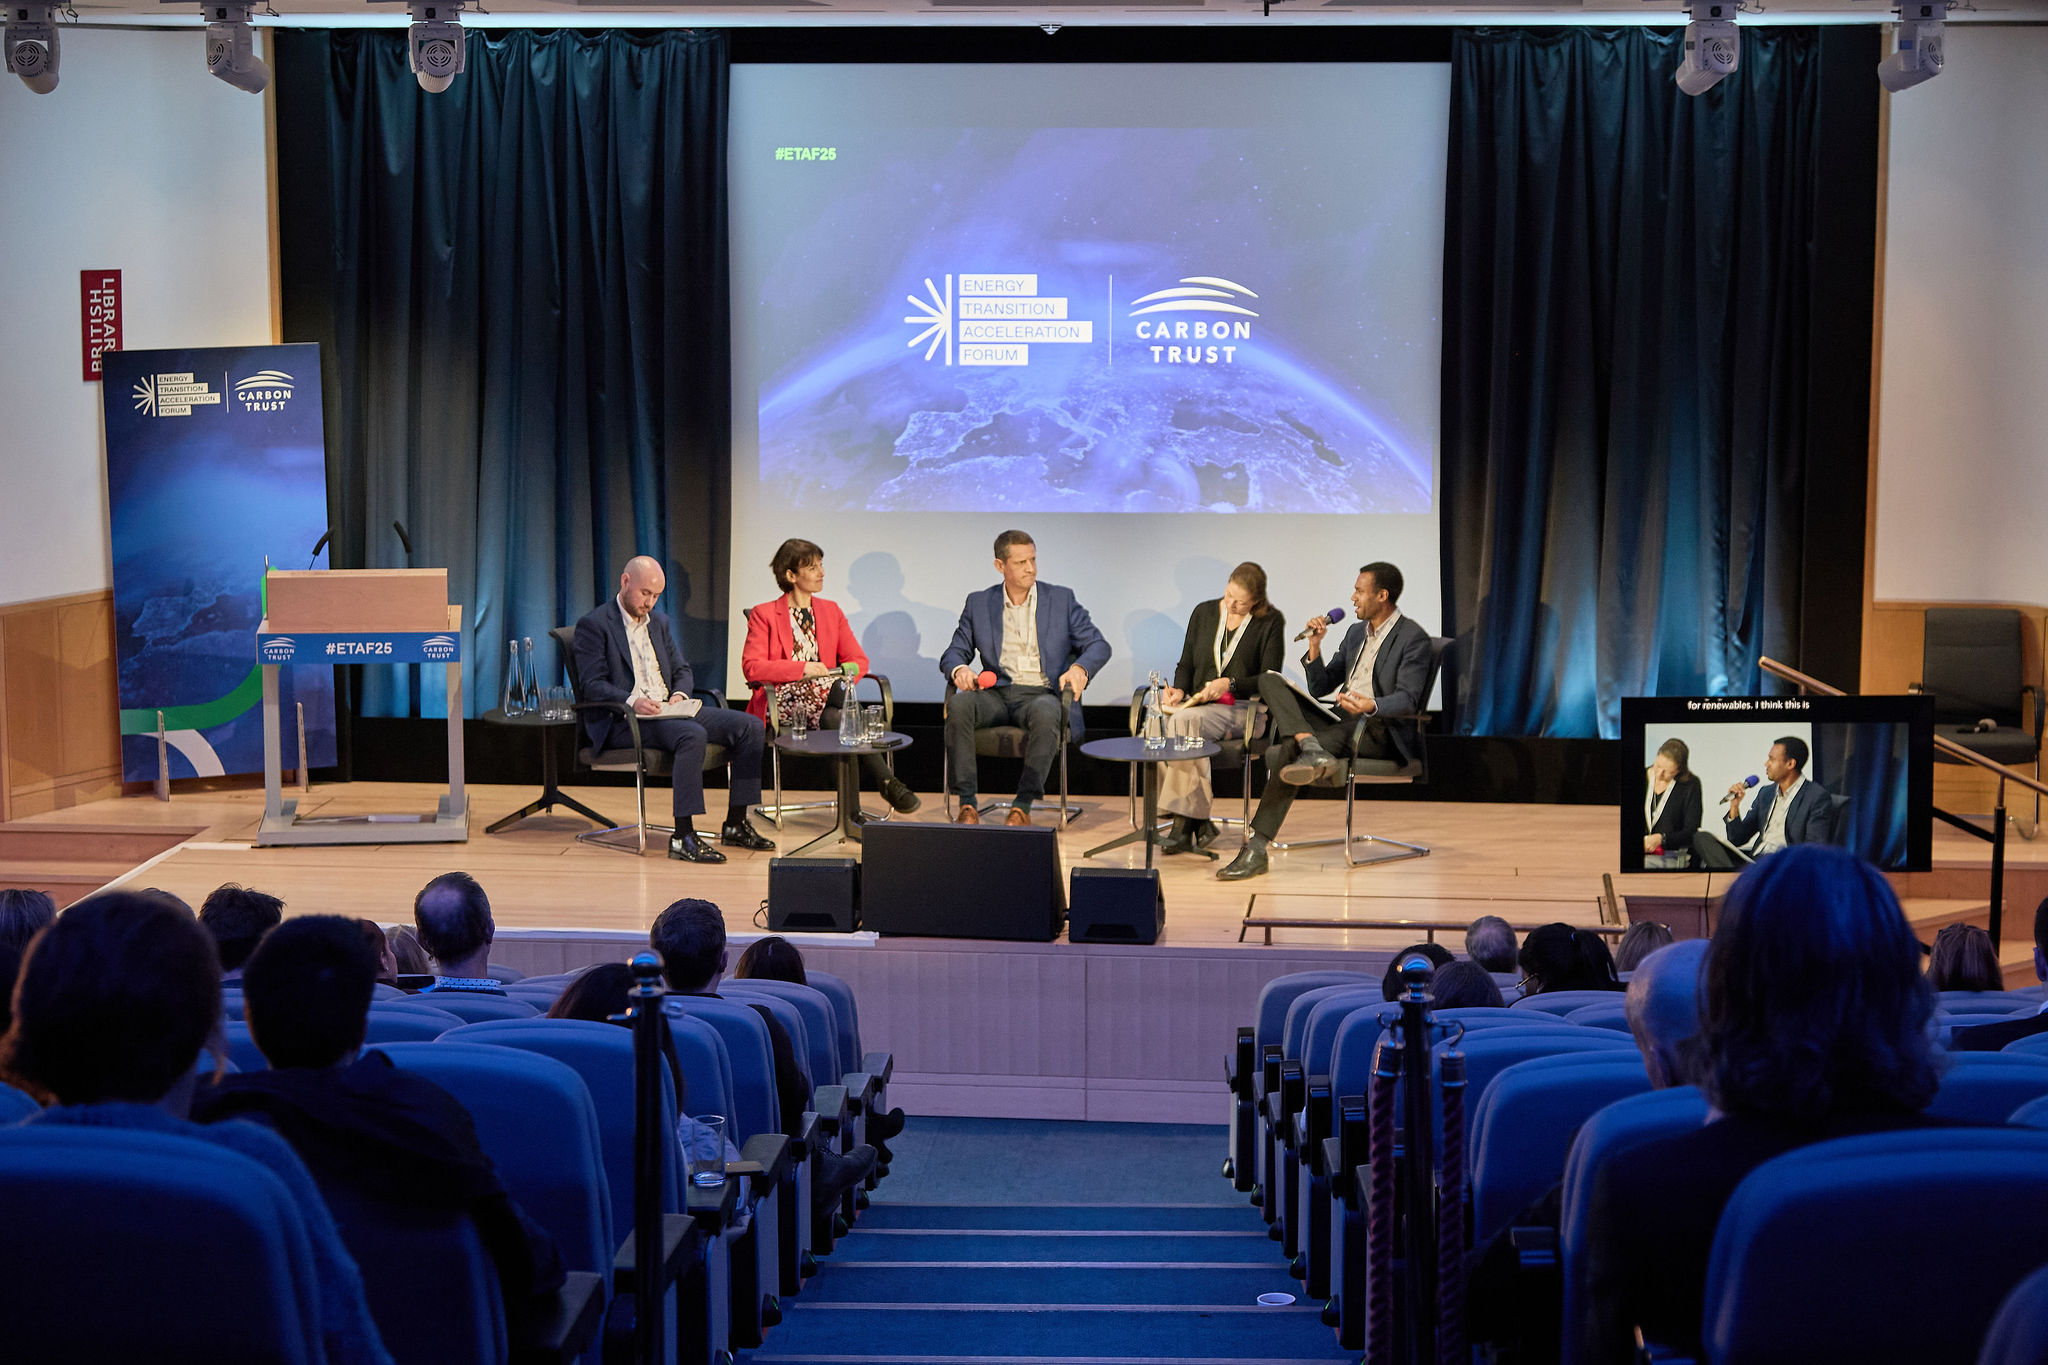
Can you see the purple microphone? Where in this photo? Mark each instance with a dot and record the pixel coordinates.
(1333, 616)
(1750, 781)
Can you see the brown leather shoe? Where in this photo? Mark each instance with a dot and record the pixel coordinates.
(1017, 816)
(968, 816)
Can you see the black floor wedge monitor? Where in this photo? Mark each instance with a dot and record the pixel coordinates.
(962, 881)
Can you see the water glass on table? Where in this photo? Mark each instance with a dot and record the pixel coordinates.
(874, 730)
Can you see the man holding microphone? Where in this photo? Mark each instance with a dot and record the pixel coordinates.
(1380, 672)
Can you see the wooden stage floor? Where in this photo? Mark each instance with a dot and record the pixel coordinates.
(1056, 1030)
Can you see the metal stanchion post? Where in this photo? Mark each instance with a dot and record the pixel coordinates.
(163, 761)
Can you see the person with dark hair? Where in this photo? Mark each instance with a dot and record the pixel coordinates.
(1789, 809)
(1232, 641)
(1459, 985)
(1814, 1025)
(1640, 940)
(1557, 957)
(406, 952)
(689, 937)
(626, 652)
(380, 944)
(596, 995)
(1992, 1037)
(1964, 960)
(1365, 701)
(1039, 642)
(115, 1002)
(1391, 984)
(773, 958)
(795, 647)
(23, 914)
(368, 1131)
(1672, 806)
(453, 917)
(238, 918)
(1490, 941)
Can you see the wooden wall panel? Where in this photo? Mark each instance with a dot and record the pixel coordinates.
(60, 742)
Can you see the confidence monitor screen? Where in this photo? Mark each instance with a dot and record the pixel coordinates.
(1163, 318)
(1860, 772)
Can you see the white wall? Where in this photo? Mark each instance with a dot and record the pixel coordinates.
(1962, 489)
(138, 162)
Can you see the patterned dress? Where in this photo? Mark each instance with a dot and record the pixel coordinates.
(805, 698)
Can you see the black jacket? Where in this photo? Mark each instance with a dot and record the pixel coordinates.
(1260, 650)
(1994, 1037)
(604, 664)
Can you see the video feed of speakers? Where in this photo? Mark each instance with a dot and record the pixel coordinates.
(1711, 784)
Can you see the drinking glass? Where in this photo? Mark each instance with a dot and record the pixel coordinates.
(874, 725)
(707, 1154)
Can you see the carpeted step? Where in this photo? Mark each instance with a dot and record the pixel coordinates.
(1237, 1217)
(965, 1332)
(1178, 1283)
(867, 1243)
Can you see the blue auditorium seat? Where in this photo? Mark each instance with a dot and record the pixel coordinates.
(1276, 995)
(844, 1011)
(2019, 1333)
(242, 1049)
(792, 1021)
(1808, 1260)
(707, 1069)
(756, 1107)
(1988, 1002)
(1613, 1016)
(1986, 1087)
(385, 991)
(16, 1105)
(100, 1253)
(475, 1009)
(1519, 1134)
(1493, 1051)
(431, 1286)
(1302, 1011)
(1564, 1002)
(406, 1025)
(2033, 1045)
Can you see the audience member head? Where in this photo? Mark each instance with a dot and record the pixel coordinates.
(114, 1002)
(1459, 985)
(1643, 938)
(1490, 942)
(689, 936)
(1557, 957)
(596, 995)
(22, 914)
(307, 989)
(1964, 960)
(1814, 1003)
(771, 959)
(380, 944)
(1391, 984)
(454, 920)
(1663, 1005)
(238, 918)
(412, 959)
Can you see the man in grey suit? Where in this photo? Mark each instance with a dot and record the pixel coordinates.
(1789, 809)
(1380, 675)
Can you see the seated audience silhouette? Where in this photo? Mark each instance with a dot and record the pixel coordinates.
(1814, 1025)
(23, 914)
(1643, 938)
(406, 953)
(1458, 985)
(1964, 960)
(1663, 1007)
(453, 916)
(1390, 982)
(114, 1003)
(1490, 941)
(364, 1127)
(1557, 957)
(238, 918)
(1992, 1037)
(380, 944)
(775, 958)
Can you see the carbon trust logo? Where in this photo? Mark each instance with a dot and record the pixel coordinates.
(438, 647)
(280, 649)
(1217, 340)
(264, 391)
(991, 320)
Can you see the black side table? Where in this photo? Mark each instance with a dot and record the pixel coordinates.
(847, 813)
(1134, 750)
(550, 795)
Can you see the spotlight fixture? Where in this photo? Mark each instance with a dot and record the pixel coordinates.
(1713, 49)
(436, 43)
(231, 47)
(31, 43)
(1918, 57)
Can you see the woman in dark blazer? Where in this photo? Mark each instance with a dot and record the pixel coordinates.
(1672, 806)
(1231, 641)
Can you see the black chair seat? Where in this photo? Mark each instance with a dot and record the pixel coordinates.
(660, 762)
(1385, 769)
(2007, 744)
(1000, 741)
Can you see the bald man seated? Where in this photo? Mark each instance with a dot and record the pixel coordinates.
(626, 652)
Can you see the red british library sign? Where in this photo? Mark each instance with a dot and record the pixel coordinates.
(99, 316)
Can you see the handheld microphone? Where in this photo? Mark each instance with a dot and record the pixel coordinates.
(1750, 781)
(986, 679)
(1333, 616)
(849, 668)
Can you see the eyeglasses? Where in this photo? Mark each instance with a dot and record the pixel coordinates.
(1523, 984)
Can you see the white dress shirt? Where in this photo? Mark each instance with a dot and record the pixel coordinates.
(647, 681)
(1020, 641)
(1360, 679)
(1772, 837)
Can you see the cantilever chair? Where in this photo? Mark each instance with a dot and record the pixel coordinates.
(1007, 741)
(637, 759)
(773, 814)
(1970, 664)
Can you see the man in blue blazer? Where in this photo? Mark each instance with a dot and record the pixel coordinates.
(1808, 816)
(1021, 630)
(1380, 673)
(626, 652)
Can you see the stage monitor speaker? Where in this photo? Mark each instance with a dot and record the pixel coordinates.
(813, 895)
(1115, 905)
(962, 881)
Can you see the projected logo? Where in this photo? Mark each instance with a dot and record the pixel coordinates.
(264, 391)
(1203, 341)
(172, 395)
(991, 320)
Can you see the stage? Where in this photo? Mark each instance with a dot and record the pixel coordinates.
(1059, 1030)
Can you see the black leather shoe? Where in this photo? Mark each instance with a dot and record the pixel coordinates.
(1180, 840)
(742, 834)
(882, 1127)
(1249, 862)
(1315, 765)
(900, 797)
(1206, 833)
(691, 848)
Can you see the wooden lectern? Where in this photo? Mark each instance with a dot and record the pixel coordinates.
(359, 616)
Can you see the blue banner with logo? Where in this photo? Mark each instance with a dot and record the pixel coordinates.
(216, 464)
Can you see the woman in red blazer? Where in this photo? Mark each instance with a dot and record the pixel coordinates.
(795, 644)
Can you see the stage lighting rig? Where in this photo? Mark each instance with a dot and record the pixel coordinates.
(1918, 57)
(1713, 48)
(31, 42)
(436, 42)
(231, 47)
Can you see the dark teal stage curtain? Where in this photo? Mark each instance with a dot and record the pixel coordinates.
(1871, 765)
(520, 289)
(1651, 384)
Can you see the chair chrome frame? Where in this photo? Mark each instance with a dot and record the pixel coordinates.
(773, 813)
(1069, 810)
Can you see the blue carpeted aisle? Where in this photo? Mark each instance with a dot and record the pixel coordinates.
(1096, 1243)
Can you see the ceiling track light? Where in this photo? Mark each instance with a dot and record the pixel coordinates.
(435, 43)
(1918, 56)
(231, 47)
(1713, 47)
(30, 40)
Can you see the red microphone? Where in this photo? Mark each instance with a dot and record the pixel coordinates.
(986, 680)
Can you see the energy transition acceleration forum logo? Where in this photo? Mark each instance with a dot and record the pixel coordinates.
(991, 320)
